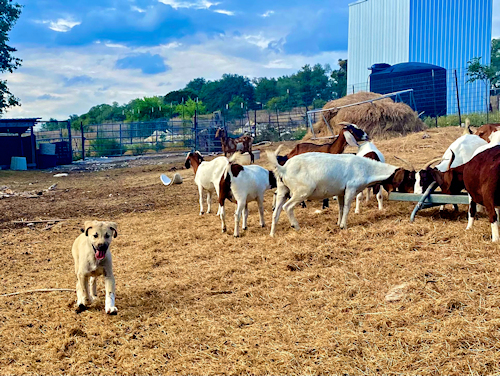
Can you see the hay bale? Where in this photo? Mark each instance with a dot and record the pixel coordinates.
(380, 118)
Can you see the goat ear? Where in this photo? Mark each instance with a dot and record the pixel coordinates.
(350, 139)
(437, 175)
(187, 164)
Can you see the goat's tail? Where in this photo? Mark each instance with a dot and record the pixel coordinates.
(272, 156)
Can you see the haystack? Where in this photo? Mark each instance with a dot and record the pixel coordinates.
(379, 118)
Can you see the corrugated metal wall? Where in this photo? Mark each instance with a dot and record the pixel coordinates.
(447, 33)
(378, 33)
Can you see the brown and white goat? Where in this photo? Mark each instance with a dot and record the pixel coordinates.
(207, 175)
(349, 135)
(485, 131)
(244, 184)
(230, 144)
(481, 179)
(320, 175)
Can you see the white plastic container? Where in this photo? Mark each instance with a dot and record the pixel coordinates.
(48, 149)
(18, 164)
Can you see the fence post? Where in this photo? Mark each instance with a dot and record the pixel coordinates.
(121, 142)
(458, 99)
(278, 122)
(434, 97)
(83, 140)
(487, 102)
(195, 130)
(255, 123)
(70, 140)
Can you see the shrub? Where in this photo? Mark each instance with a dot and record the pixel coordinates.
(138, 149)
(105, 146)
(476, 120)
(299, 134)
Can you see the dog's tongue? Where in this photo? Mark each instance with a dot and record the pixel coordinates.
(99, 255)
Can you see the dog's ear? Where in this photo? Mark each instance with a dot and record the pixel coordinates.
(87, 226)
(113, 226)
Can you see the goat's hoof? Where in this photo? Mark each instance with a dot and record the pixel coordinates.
(112, 311)
(262, 226)
(201, 213)
(224, 230)
(245, 228)
(236, 235)
(80, 308)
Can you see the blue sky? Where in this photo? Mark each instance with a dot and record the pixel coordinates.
(80, 53)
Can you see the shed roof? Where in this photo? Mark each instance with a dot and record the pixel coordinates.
(17, 125)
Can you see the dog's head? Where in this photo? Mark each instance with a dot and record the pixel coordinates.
(100, 235)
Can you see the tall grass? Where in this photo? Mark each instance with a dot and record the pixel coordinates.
(476, 119)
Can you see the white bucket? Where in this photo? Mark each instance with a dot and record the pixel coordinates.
(18, 164)
(48, 149)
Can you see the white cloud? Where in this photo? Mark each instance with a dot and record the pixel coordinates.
(137, 9)
(278, 64)
(268, 13)
(226, 12)
(45, 72)
(115, 45)
(198, 4)
(258, 40)
(63, 25)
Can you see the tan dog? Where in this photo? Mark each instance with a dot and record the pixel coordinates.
(93, 258)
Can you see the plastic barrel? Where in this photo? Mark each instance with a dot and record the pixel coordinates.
(18, 164)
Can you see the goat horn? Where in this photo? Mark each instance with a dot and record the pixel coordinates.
(405, 161)
(428, 164)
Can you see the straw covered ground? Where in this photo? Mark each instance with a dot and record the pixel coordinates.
(382, 297)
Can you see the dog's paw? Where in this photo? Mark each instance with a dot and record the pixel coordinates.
(80, 308)
(112, 311)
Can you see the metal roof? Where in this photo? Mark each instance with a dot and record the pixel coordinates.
(17, 125)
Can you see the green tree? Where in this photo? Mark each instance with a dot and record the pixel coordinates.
(265, 89)
(339, 80)
(196, 85)
(216, 94)
(311, 82)
(477, 71)
(177, 96)
(147, 109)
(9, 13)
(495, 56)
(186, 110)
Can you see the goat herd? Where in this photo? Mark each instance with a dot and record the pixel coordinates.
(318, 172)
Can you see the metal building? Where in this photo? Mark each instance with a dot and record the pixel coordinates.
(441, 32)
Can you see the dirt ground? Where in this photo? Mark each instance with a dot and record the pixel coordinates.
(192, 300)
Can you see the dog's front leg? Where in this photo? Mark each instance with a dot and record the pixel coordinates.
(109, 284)
(92, 289)
(81, 293)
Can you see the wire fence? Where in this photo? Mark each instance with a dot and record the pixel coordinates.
(138, 138)
(438, 93)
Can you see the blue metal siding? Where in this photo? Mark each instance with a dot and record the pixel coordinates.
(449, 34)
(378, 33)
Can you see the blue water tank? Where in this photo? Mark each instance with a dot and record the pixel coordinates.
(428, 82)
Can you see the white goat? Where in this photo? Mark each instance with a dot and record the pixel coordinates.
(207, 175)
(245, 184)
(463, 148)
(494, 141)
(369, 150)
(321, 175)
